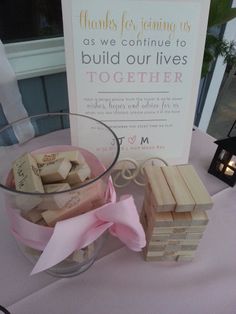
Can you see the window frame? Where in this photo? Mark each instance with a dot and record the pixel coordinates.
(37, 57)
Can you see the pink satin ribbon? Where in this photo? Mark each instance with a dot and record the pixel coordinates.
(121, 218)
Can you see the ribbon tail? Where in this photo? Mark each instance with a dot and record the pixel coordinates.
(121, 218)
(66, 238)
(26, 232)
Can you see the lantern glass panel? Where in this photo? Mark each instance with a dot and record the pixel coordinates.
(224, 156)
(233, 160)
(220, 167)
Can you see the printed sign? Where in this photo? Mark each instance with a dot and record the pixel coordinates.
(135, 65)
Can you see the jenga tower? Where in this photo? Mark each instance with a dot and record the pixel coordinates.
(174, 212)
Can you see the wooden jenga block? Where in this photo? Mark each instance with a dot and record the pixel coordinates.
(149, 207)
(78, 174)
(147, 223)
(185, 258)
(186, 252)
(156, 246)
(150, 230)
(164, 219)
(151, 256)
(89, 252)
(160, 189)
(26, 202)
(75, 203)
(197, 189)
(169, 256)
(163, 258)
(144, 222)
(148, 235)
(173, 247)
(26, 175)
(160, 237)
(178, 236)
(174, 242)
(194, 236)
(196, 229)
(42, 222)
(56, 187)
(199, 218)
(78, 256)
(180, 191)
(149, 215)
(31, 251)
(189, 242)
(162, 230)
(57, 201)
(55, 170)
(179, 230)
(170, 253)
(181, 219)
(33, 215)
(74, 156)
(189, 247)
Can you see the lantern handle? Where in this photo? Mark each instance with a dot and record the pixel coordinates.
(231, 129)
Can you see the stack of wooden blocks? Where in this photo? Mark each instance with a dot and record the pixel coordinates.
(174, 212)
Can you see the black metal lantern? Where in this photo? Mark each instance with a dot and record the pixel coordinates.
(223, 165)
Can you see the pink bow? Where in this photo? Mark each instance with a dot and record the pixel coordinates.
(121, 218)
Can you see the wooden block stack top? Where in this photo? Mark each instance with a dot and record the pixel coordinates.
(174, 212)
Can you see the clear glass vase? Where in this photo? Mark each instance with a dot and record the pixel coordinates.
(25, 147)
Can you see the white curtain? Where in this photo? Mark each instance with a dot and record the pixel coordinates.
(11, 100)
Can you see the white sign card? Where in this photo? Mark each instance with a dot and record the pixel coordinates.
(135, 65)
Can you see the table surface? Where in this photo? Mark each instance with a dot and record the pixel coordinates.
(121, 282)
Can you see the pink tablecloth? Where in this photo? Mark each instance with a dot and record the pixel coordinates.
(122, 282)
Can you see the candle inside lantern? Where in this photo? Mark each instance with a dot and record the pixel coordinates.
(228, 171)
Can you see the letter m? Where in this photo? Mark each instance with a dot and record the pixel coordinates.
(144, 140)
